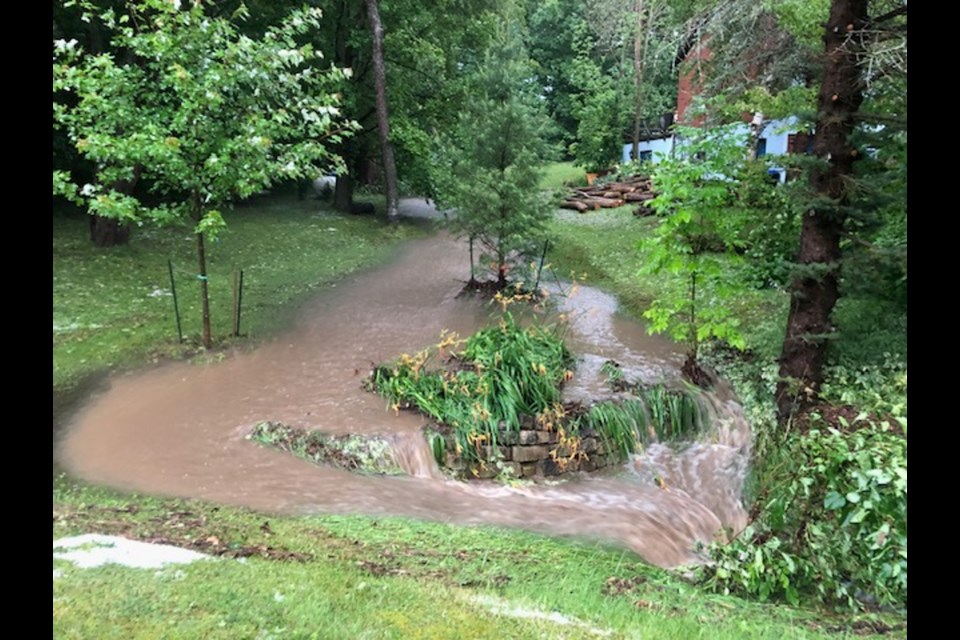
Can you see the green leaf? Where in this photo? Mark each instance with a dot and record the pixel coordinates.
(834, 501)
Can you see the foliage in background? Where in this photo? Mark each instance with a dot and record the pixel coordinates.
(601, 118)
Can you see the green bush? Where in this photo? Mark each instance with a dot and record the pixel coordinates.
(833, 525)
(879, 388)
(507, 372)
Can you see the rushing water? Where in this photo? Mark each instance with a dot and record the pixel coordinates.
(180, 429)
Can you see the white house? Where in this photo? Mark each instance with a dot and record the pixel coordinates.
(777, 138)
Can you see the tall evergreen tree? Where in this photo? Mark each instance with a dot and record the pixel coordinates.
(493, 160)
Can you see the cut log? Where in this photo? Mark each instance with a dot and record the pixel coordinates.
(632, 189)
(608, 203)
(575, 205)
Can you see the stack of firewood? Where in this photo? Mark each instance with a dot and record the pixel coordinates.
(612, 194)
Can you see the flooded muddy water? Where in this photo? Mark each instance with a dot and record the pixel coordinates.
(179, 429)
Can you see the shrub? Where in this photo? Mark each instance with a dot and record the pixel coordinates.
(834, 523)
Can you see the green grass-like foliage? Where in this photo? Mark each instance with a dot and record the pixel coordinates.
(509, 371)
(502, 373)
(834, 525)
(658, 415)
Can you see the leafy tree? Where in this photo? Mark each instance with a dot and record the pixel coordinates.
(429, 46)
(491, 164)
(554, 28)
(587, 57)
(93, 35)
(704, 206)
(600, 115)
(206, 114)
(845, 84)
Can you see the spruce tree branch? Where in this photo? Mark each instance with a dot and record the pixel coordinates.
(877, 117)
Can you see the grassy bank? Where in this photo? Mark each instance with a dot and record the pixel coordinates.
(560, 174)
(113, 307)
(362, 577)
(601, 247)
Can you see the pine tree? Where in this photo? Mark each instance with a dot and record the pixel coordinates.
(491, 164)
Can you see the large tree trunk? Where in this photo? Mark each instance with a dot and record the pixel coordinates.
(815, 288)
(345, 56)
(639, 64)
(343, 193)
(108, 232)
(383, 117)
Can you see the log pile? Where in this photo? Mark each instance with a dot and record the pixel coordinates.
(637, 189)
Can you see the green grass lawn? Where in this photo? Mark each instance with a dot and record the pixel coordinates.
(113, 307)
(363, 577)
(561, 174)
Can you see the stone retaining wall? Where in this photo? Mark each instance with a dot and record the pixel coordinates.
(533, 452)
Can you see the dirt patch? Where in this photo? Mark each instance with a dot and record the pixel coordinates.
(180, 528)
(615, 586)
(487, 289)
(697, 374)
(864, 628)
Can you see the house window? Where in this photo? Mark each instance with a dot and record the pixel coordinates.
(646, 156)
(761, 147)
(800, 143)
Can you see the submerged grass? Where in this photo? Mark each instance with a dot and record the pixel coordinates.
(113, 307)
(657, 415)
(365, 577)
(363, 454)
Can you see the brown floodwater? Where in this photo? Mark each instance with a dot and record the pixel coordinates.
(180, 429)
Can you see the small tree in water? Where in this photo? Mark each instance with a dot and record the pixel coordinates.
(708, 198)
(492, 163)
